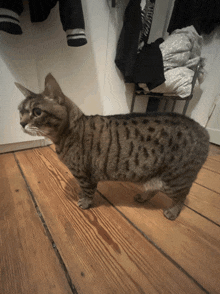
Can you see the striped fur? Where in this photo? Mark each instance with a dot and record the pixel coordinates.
(163, 151)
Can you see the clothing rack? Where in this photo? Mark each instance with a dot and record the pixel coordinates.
(167, 97)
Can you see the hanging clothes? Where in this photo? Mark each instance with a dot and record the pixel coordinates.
(71, 16)
(127, 47)
(147, 11)
(135, 31)
(148, 67)
(202, 14)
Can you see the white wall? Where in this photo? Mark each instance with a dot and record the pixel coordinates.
(210, 88)
(207, 105)
(74, 67)
(9, 99)
(17, 62)
(116, 94)
(41, 49)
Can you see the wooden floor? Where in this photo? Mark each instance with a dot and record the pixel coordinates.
(49, 245)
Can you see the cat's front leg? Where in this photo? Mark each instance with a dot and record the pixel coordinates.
(87, 192)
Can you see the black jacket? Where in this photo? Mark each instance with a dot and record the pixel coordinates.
(127, 47)
(202, 14)
(135, 33)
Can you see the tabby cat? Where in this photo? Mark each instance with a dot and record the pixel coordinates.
(162, 151)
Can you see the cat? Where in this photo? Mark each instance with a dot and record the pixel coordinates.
(162, 151)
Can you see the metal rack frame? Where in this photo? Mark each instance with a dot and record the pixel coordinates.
(167, 97)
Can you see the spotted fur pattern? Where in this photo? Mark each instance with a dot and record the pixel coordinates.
(163, 151)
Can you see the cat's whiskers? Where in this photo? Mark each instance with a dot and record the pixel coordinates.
(41, 133)
(34, 131)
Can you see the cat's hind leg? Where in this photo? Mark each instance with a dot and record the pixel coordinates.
(84, 202)
(178, 199)
(172, 212)
(86, 194)
(151, 188)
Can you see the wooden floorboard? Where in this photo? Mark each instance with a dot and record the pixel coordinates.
(118, 246)
(103, 252)
(204, 201)
(212, 164)
(28, 263)
(209, 179)
(214, 150)
(191, 240)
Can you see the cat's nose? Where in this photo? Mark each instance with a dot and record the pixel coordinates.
(23, 124)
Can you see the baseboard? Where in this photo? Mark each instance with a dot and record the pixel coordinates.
(214, 135)
(24, 145)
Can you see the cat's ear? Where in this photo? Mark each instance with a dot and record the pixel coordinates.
(52, 89)
(24, 91)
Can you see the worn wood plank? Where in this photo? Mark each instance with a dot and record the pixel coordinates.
(209, 179)
(204, 201)
(203, 197)
(102, 251)
(53, 147)
(214, 150)
(28, 263)
(191, 240)
(212, 165)
(215, 157)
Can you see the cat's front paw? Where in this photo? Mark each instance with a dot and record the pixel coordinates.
(84, 203)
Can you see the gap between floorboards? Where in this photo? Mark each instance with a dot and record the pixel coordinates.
(47, 231)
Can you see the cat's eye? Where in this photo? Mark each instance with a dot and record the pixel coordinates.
(36, 111)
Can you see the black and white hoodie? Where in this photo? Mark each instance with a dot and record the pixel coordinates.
(71, 16)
